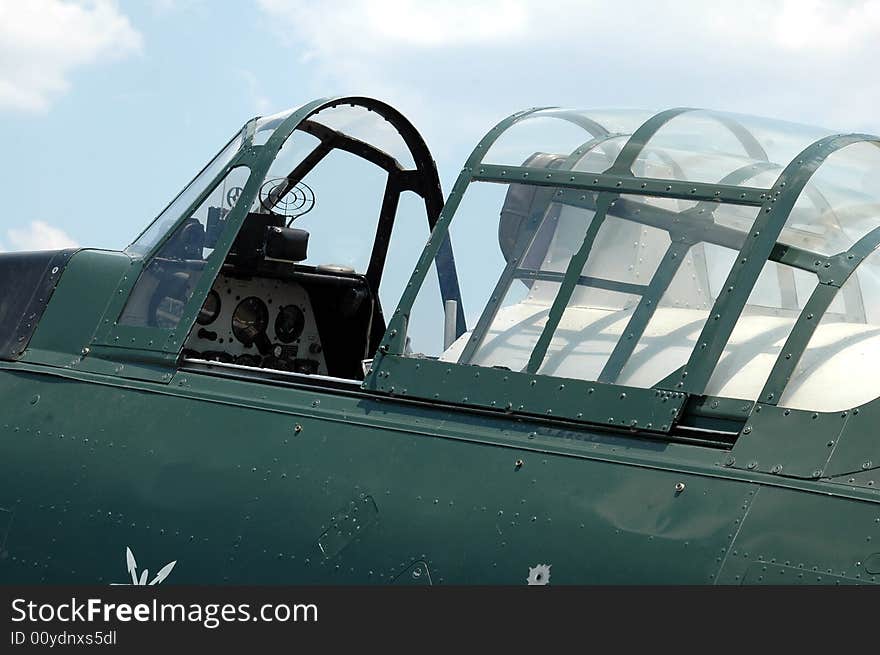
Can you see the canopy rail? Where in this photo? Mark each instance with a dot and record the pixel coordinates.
(614, 183)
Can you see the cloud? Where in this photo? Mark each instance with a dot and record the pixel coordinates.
(169, 7)
(457, 69)
(43, 41)
(254, 91)
(827, 26)
(38, 235)
(377, 25)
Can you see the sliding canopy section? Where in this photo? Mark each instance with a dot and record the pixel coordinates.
(650, 258)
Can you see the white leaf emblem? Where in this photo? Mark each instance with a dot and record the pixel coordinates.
(131, 565)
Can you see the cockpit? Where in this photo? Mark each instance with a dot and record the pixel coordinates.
(298, 287)
(689, 253)
(618, 266)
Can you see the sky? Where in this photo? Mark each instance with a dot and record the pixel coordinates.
(107, 108)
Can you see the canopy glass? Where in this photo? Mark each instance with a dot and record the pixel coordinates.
(691, 251)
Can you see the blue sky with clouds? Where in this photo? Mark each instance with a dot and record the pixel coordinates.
(108, 108)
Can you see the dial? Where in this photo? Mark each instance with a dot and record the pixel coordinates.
(289, 323)
(249, 320)
(210, 310)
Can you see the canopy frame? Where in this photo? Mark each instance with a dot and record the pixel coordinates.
(395, 373)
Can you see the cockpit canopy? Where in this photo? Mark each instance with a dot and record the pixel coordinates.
(647, 258)
(274, 256)
(691, 251)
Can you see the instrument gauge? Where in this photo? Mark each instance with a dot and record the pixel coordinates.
(289, 323)
(210, 310)
(249, 320)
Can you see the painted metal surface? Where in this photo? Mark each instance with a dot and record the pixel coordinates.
(27, 281)
(438, 472)
(90, 279)
(245, 482)
(517, 393)
(835, 540)
(240, 495)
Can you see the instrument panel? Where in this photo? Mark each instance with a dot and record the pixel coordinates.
(258, 322)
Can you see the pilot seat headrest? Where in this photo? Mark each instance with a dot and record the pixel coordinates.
(519, 204)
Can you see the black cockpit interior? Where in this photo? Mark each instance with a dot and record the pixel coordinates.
(269, 310)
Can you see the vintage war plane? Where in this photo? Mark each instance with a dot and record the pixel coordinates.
(666, 373)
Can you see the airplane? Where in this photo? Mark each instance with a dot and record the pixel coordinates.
(628, 348)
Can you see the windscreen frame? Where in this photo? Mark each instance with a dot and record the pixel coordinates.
(157, 349)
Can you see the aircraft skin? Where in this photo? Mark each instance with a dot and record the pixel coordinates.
(242, 479)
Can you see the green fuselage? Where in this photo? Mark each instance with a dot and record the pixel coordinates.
(247, 480)
(692, 402)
